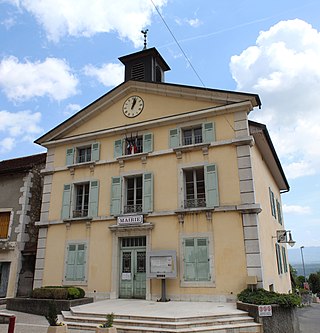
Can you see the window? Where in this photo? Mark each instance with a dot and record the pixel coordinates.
(192, 136)
(133, 145)
(4, 224)
(133, 202)
(279, 259)
(195, 188)
(83, 154)
(202, 133)
(196, 259)
(80, 200)
(200, 187)
(75, 266)
(272, 203)
(138, 194)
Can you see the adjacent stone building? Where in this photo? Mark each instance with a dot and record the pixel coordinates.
(20, 203)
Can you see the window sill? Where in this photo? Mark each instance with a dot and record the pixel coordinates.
(197, 284)
(198, 146)
(72, 167)
(75, 219)
(75, 283)
(183, 211)
(142, 156)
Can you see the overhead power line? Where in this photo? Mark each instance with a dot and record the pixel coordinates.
(184, 54)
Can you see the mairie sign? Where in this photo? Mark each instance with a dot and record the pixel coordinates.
(130, 219)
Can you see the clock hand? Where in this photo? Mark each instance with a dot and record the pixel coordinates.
(133, 103)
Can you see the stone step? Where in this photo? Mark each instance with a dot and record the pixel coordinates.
(151, 322)
(229, 328)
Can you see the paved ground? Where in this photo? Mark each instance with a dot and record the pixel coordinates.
(29, 323)
(309, 318)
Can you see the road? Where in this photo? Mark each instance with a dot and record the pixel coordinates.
(309, 318)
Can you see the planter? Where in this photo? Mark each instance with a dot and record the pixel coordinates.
(106, 330)
(57, 329)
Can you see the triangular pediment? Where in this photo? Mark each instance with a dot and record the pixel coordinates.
(160, 100)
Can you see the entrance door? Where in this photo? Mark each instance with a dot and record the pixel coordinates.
(133, 268)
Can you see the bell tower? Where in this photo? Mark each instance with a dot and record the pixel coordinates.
(146, 65)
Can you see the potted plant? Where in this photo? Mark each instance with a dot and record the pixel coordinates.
(52, 317)
(107, 327)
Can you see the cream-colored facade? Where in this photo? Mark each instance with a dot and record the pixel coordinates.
(155, 166)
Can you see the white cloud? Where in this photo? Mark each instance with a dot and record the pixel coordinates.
(18, 127)
(296, 209)
(71, 109)
(284, 69)
(25, 80)
(76, 18)
(6, 145)
(108, 74)
(194, 22)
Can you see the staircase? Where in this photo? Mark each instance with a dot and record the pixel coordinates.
(215, 323)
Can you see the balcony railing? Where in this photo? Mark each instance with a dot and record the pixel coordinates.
(195, 203)
(80, 213)
(132, 209)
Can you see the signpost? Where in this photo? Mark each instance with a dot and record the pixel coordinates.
(162, 265)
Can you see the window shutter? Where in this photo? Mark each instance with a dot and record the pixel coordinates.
(148, 143)
(203, 271)
(117, 152)
(189, 259)
(279, 261)
(93, 198)
(147, 203)
(80, 263)
(70, 156)
(208, 132)
(66, 201)
(272, 203)
(115, 208)
(71, 261)
(279, 212)
(284, 258)
(174, 138)
(95, 151)
(211, 184)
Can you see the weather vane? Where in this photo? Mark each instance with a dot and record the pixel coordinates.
(144, 32)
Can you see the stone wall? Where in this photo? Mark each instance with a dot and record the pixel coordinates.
(283, 320)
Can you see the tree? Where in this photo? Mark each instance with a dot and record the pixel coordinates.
(314, 280)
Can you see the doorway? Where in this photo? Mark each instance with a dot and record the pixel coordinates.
(133, 267)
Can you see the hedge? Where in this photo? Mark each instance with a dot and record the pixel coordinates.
(262, 297)
(58, 292)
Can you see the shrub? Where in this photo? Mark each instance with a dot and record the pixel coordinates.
(58, 292)
(109, 321)
(262, 296)
(73, 293)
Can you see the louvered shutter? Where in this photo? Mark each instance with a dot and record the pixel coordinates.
(95, 151)
(66, 201)
(208, 132)
(93, 198)
(174, 138)
(147, 203)
(115, 208)
(211, 184)
(117, 151)
(189, 259)
(70, 156)
(148, 143)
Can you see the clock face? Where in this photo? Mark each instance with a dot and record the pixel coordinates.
(133, 106)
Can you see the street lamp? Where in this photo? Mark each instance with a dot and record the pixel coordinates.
(304, 270)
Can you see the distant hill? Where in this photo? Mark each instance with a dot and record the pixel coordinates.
(311, 255)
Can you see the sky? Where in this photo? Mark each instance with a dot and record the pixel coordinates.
(57, 56)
